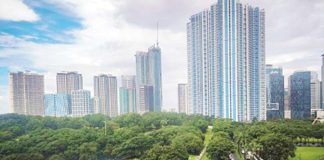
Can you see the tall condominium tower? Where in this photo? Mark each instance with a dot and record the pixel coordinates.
(57, 105)
(322, 83)
(80, 103)
(66, 82)
(275, 92)
(226, 61)
(183, 98)
(303, 94)
(26, 93)
(127, 94)
(105, 89)
(148, 73)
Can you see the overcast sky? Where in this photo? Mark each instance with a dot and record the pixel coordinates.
(102, 36)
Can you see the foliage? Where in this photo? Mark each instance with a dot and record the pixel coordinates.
(220, 146)
(130, 136)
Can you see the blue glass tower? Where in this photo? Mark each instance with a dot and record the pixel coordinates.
(300, 95)
(57, 105)
(148, 73)
(275, 93)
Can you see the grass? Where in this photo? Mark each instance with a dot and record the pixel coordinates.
(309, 153)
(208, 136)
(192, 157)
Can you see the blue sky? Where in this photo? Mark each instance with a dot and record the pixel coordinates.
(102, 36)
(52, 27)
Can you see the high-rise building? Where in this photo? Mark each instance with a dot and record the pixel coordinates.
(57, 105)
(80, 103)
(66, 82)
(127, 94)
(148, 73)
(105, 89)
(322, 85)
(183, 98)
(275, 93)
(26, 93)
(301, 94)
(226, 62)
(287, 107)
(315, 93)
(146, 98)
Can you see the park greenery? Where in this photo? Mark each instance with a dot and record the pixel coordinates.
(152, 136)
(269, 140)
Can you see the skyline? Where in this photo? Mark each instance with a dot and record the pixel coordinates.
(92, 45)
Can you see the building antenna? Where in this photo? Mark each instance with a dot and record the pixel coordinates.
(157, 34)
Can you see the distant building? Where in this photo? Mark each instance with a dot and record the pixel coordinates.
(146, 100)
(226, 61)
(66, 82)
(148, 73)
(127, 94)
(26, 93)
(322, 86)
(275, 93)
(80, 103)
(57, 105)
(183, 98)
(105, 89)
(315, 94)
(287, 108)
(302, 94)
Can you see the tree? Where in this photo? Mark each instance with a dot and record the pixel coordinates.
(158, 152)
(220, 148)
(191, 142)
(134, 147)
(276, 147)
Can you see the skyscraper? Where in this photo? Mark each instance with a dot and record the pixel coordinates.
(183, 98)
(57, 105)
(275, 92)
(105, 89)
(80, 103)
(127, 94)
(226, 61)
(148, 73)
(322, 85)
(66, 82)
(301, 94)
(315, 93)
(146, 98)
(26, 93)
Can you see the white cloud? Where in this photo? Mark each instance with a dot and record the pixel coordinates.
(4, 108)
(16, 10)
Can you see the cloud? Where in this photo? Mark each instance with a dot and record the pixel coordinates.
(16, 10)
(4, 107)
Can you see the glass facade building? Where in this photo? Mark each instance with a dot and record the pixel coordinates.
(275, 93)
(127, 94)
(148, 73)
(57, 105)
(300, 95)
(226, 62)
